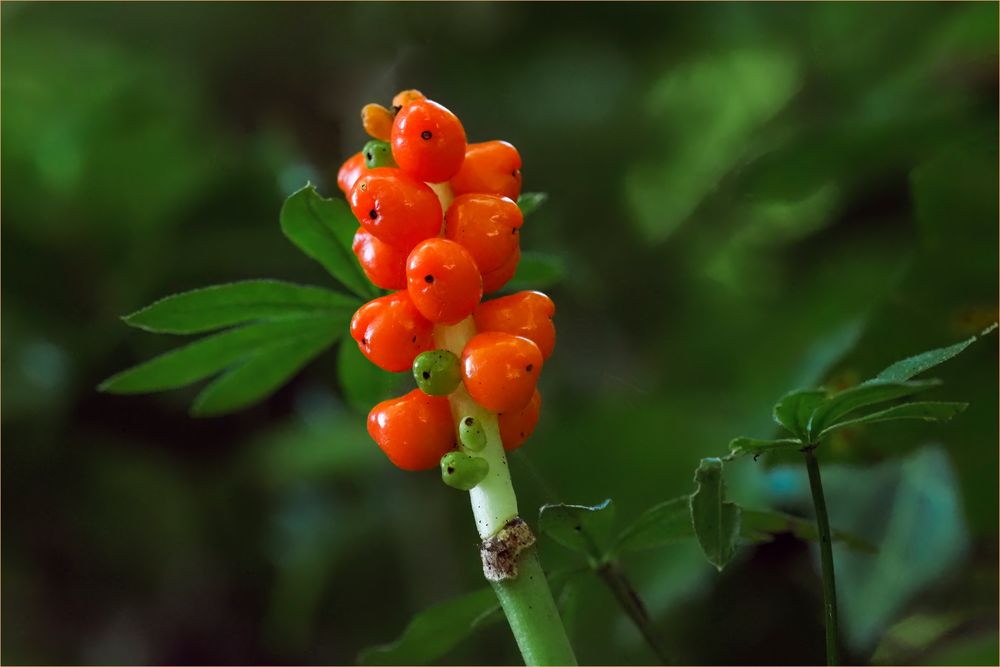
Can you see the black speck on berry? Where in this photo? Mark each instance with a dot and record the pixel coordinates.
(530, 367)
(425, 135)
(428, 278)
(373, 214)
(427, 375)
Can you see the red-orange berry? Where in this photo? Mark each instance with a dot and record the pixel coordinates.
(516, 426)
(487, 226)
(527, 314)
(391, 332)
(414, 431)
(497, 278)
(428, 141)
(443, 281)
(492, 167)
(352, 169)
(384, 264)
(395, 208)
(500, 371)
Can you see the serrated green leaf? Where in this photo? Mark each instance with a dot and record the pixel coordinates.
(211, 354)
(661, 524)
(220, 306)
(743, 446)
(530, 201)
(907, 368)
(869, 393)
(436, 630)
(323, 229)
(582, 528)
(537, 271)
(363, 383)
(716, 521)
(261, 375)
(925, 410)
(762, 526)
(794, 409)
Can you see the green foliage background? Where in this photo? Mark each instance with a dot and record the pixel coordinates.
(747, 199)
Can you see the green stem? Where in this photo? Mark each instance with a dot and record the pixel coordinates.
(525, 597)
(533, 615)
(826, 557)
(613, 575)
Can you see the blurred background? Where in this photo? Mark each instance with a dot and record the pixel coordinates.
(746, 199)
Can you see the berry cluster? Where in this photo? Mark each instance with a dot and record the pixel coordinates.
(440, 228)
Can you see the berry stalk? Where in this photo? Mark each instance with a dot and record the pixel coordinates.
(523, 590)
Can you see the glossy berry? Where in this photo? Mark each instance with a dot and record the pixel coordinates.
(395, 208)
(443, 281)
(378, 154)
(471, 434)
(500, 371)
(404, 97)
(487, 226)
(526, 314)
(494, 280)
(428, 141)
(492, 167)
(463, 472)
(352, 169)
(437, 372)
(516, 426)
(377, 121)
(385, 265)
(391, 332)
(414, 431)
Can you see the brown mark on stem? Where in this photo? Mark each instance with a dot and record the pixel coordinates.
(501, 551)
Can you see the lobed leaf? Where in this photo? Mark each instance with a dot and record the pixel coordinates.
(661, 524)
(209, 355)
(537, 271)
(869, 393)
(582, 528)
(907, 368)
(716, 521)
(323, 229)
(260, 375)
(436, 630)
(795, 408)
(925, 410)
(220, 306)
(363, 383)
(530, 201)
(742, 446)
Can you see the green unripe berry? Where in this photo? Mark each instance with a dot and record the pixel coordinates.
(463, 472)
(437, 372)
(378, 154)
(471, 434)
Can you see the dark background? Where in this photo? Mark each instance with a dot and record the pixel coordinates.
(747, 199)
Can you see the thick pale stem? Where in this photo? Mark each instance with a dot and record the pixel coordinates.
(493, 499)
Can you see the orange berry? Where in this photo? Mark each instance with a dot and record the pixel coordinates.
(352, 169)
(391, 332)
(428, 141)
(443, 281)
(384, 264)
(492, 167)
(404, 97)
(396, 208)
(527, 314)
(486, 225)
(516, 426)
(497, 278)
(377, 121)
(500, 371)
(414, 430)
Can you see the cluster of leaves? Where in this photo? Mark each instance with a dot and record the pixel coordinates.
(265, 331)
(809, 416)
